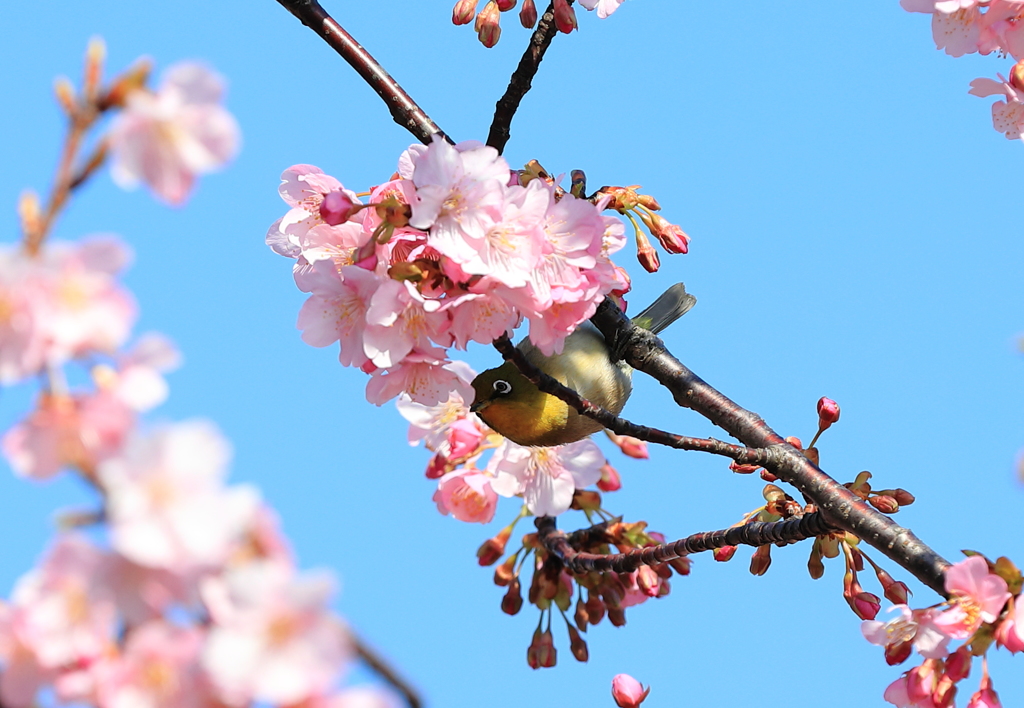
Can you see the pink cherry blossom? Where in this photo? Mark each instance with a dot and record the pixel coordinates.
(273, 639)
(546, 477)
(63, 611)
(1007, 115)
(480, 318)
(137, 379)
(167, 138)
(467, 495)
(604, 7)
(166, 501)
(977, 596)
(1010, 633)
(910, 625)
(336, 309)
(425, 376)
(158, 668)
(399, 320)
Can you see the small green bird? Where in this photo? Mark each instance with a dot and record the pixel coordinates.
(511, 405)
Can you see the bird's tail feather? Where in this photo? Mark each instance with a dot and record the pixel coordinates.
(669, 307)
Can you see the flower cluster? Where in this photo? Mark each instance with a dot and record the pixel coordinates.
(981, 610)
(488, 20)
(984, 26)
(454, 248)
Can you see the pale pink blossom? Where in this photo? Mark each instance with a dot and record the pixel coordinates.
(424, 375)
(985, 696)
(273, 638)
(166, 501)
(399, 320)
(976, 594)
(914, 688)
(637, 594)
(604, 7)
(355, 697)
(63, 612)
(1002, 28)
(1007, 115)
(1010, 633)
(467, 495)
(168, 137)
(477, 317)
(910, 625)
(158, 668)
(336, 309)
(546, 477)
(143, 593)
(431, 423)
(137, 379)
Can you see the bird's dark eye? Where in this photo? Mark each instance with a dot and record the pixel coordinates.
(502, 387)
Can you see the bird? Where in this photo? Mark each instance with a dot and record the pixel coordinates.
(514, 407)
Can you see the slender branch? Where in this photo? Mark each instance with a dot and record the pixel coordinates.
(522, 80)
(841, 508)
(384, 670)
(403, 109)
(547, 384)
(758, 533)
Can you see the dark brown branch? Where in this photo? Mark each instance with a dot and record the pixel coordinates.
(384, 670)
(522, 80)
(758, 533)
(545, 383)
(403, 109)
(841, 508)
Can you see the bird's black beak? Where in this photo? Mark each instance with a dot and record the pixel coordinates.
(480, 405)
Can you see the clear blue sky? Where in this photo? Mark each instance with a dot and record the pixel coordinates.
(856, 234)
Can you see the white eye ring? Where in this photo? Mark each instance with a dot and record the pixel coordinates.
(502, 387)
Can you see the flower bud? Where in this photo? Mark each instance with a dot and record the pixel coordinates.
(610, 480)
(630, 446)
(884, 503)
(505, 572)
(828, 413)
(646, 254)
(672, 238)
(903, 497)
(585, 500)
(768, 476)
(462, 13)
(865, 605)
(898, 652)
(724, 553)
(761, 560)
(743, 469)
(512, 602)
(647, 580)
(577, 646)
(815, 566)
(542, 652)
(581, 617)
(493, 548)
(617, 616)
(795, 442)
(506, 5)
(595, 609)
(488, 28)
(681, 565)
(528, 14)
(1017, 76)
(628, 692)
(337, 207)
(944, 694)
(958, 664)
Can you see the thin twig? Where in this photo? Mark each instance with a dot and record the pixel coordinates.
(522, 80)
(758, 533)
(384, 670)
(403, 109)
(547, 384)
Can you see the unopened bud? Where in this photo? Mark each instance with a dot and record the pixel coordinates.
(617, 616)
(630, 446)
(528, 14)
(565, 17)
(581, 617)
(944, 694)
(628, 692)
(647, 580)
(577, 646)
(463, 12)
(541, 653)
(65, 92)
(815, 566)
(595, 609)
(505, 573)
(865, 605)
(610, 480)
(681, 565)
(761, 560)
(488, 28)
(494, 548)
(903, 497)
(1017, 76)
(795, 442)
(896, 591)
(958, 664)
(646, 254)
(768, 476)
(828, 413)
(811, 454)
(743, 469)
(506, 5)
(724, 553)
(898, 652)
(585, 500)
(672, 238)
(337, 207)
(512, 602)
(884, 503)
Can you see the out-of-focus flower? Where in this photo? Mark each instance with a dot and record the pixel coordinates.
(168, 137)
(273, 639)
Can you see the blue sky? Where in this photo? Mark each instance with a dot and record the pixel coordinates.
(855, 234)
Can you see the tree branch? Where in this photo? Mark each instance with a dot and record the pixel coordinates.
(384, 670)
(403, 109)
(758, 533)
(522, 80)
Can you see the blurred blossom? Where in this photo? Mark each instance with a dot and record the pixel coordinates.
(168, 137)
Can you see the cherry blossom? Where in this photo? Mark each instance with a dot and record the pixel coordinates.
(627, 691)
(546, 477)
(467, 495)
(1007, 115)
(604, 7)
(977, 595)
(909, 626)
(168, 137)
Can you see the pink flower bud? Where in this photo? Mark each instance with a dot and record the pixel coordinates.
(743, 469)
(761, 560)
(1017, 76)
(506, 5)
(672, 238)
(528, 14)
(828, 413)
(884, 503)
(724, 553)
(647, 256)
(647, 580)
(577, 646)
(958, 664)
(462, 13)
(565, 17)
(865, 605)
(628, 692)
(903, 497)
(337, 207)
(610, 480)
(898, 652)
(493, 548)
(542, 652)
(488, 27)
(512, 602)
